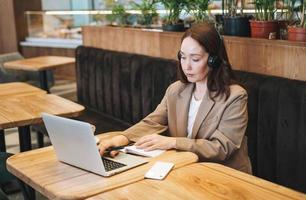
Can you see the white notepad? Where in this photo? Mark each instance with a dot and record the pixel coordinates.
(134, 150)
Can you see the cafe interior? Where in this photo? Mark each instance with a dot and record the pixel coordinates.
(81, 72)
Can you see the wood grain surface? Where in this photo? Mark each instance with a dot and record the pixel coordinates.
(26, 110)
(64, 72)
(56, 180)
(18, 89)
(273, 57)
(39, 63)
(209, 181)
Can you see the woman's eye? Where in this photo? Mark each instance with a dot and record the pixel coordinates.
(195, 60)
(183, 58)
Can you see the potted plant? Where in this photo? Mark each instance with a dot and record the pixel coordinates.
(198, 9)
(148, 11)
(118, 16)
(174, 9)
(284, 18)
(264, 25)
(234, 23)
(297, 32)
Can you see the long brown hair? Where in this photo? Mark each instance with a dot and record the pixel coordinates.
(220, 77)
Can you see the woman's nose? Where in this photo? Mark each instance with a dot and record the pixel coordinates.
(188, 64)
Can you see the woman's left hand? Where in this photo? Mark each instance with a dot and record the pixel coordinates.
(154, 141)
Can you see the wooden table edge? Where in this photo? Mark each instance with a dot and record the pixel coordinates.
(9, 65)
(35, 89)
(52, 195)
(137, 179)
(38, 120)
(282, 190)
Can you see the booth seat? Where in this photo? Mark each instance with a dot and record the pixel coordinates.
(118, 89)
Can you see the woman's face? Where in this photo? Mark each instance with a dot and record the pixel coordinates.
(193, 60)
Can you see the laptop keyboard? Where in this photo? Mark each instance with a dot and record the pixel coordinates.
(111, 165)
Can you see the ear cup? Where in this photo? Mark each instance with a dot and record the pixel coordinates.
(213, 61)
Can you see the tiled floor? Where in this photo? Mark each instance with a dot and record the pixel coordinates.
(66, 89)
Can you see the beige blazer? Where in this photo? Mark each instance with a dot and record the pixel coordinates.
(218, 134)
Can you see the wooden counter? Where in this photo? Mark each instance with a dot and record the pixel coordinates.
(152, 43)
(273, 57)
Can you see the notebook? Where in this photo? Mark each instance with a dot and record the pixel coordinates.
(141, 152)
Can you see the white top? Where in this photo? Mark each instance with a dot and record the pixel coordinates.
(193, 110)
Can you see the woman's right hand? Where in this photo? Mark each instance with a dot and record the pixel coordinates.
(119, 140)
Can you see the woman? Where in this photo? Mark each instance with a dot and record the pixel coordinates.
(205, 112)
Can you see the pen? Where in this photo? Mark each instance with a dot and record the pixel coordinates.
(108, 150)
(114, 148)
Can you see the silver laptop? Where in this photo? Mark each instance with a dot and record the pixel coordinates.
(75, 144)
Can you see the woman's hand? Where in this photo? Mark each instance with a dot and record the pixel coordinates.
(154, 141)
(119, 140)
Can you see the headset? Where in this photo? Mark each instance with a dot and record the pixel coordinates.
(213, 61)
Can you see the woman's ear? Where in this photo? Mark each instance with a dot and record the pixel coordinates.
(179, 56)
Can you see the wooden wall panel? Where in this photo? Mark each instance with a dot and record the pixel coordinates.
(132, 40)
(273, 57)
(20, 6)
(13, 24)
(67, 72)
(8, 38)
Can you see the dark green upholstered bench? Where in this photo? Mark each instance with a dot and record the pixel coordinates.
(6, 178)
(5, 175)
(119, 89)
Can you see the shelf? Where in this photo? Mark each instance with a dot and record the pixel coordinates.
(52, 42)
(272, 57)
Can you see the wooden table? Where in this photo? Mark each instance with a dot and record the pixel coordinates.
(56, 180)
(202, 181)
(40, 64)
(15, 89)
(23, 111)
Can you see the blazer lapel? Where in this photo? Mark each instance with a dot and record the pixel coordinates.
(204, 109)
(182, 108)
